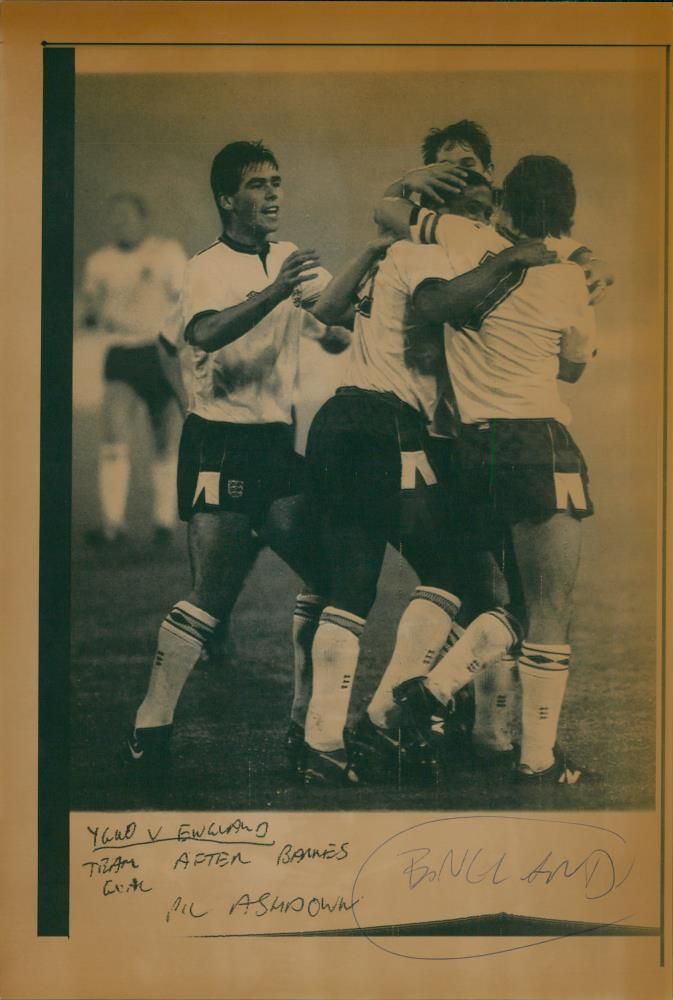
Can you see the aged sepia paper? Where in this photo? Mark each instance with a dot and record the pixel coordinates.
(240, 883)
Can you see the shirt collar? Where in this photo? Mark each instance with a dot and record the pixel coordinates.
(244, 247)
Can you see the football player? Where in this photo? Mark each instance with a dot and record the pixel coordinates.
(244, 303)
(516, 462)
(462, 185)
(130, 286)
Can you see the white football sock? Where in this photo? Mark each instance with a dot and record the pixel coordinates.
(164, 484)
(335, 653)
(485, 639)
(422, 630)
(543, 669)
(114, 469)
(307, 611)
(456, 633)
(182, 636)
(495, 696)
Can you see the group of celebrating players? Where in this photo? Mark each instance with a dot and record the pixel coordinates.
(447, 440)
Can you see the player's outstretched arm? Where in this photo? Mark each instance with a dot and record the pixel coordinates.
(460, 301)
(334, 307)
(215, 330)
(434, 183)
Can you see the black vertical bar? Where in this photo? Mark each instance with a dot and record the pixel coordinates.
(663, 862)
(55, 491)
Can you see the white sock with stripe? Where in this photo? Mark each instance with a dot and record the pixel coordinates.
(495, 693)
(335, 653)
(114, 470)
(307, 611)
(182, 636)
(543, 669)
(422, 630)
(164, 485)
(485, 639)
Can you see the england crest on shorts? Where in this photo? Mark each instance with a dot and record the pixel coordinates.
(235, 488)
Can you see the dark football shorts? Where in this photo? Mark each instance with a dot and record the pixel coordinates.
(139, 368)
(507, 471)
(367, 458)
(440, 452)
(240, 468)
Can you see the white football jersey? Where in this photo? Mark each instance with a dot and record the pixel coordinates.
(506, 363)
(252, 380)
(136, 289)
(391, 351)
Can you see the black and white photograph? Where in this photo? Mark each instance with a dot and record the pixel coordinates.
(366, 454)
(337, 522)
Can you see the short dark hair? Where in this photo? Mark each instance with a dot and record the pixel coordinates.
(464, 131)
(232, 161)
(134, 199)
(539, 195)
(472, 179)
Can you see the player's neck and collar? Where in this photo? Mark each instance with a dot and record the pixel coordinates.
(257, 246)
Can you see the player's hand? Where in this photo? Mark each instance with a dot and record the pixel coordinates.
(294, 270)
(530, 253)
(599, 278)
(435, 182)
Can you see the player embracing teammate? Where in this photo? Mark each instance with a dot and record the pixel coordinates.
(517, 478)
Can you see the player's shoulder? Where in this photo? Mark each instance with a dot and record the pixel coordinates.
(210, 256)
(566, 247)
(206, 262)
(564, 273)
(460, 225)
(404, 251)
(455, 232)
(216, 245)
(564, 281)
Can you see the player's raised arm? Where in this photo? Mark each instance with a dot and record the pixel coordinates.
(213, 330)
(335, 304)
(435, 183)
(460, 300)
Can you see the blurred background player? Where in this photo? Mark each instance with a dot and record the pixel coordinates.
(130, 288)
